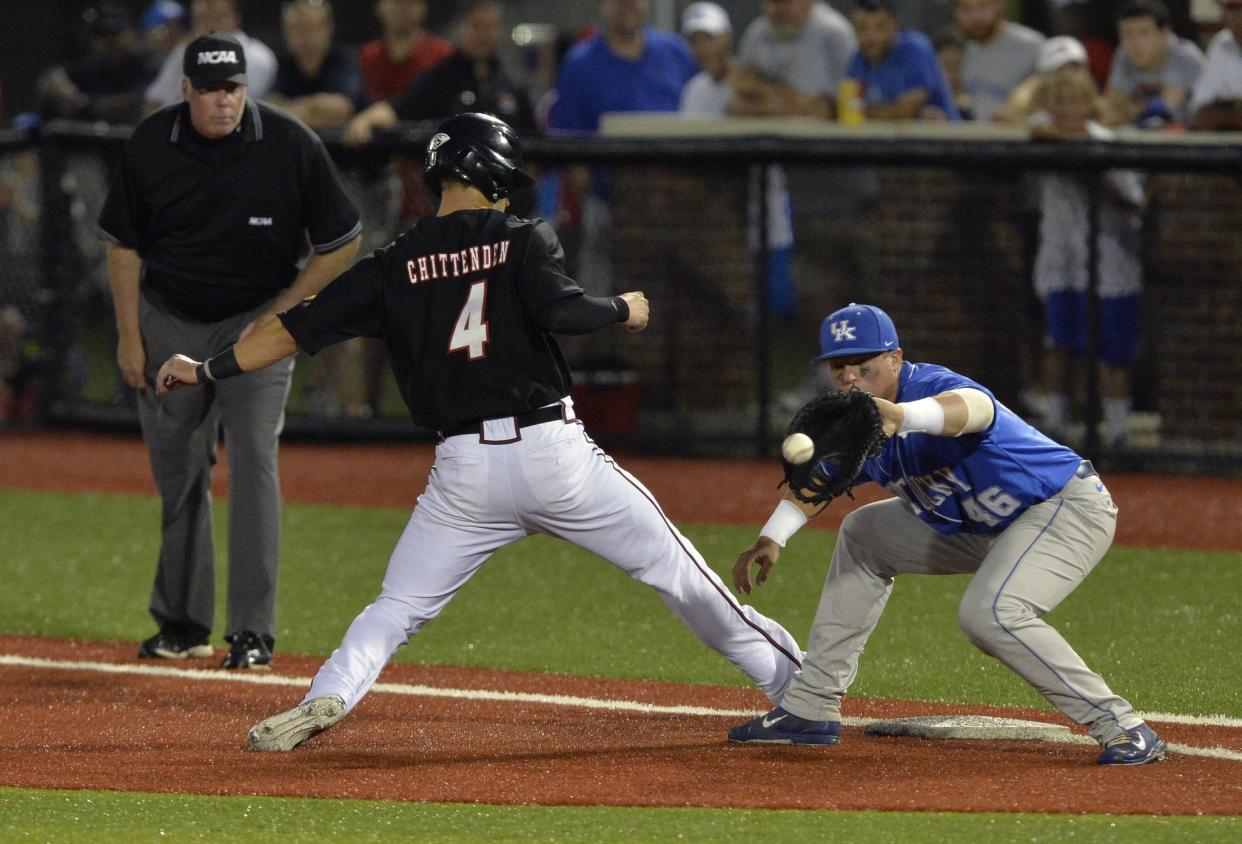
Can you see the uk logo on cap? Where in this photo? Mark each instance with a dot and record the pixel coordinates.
(842, 331)
(856, 330)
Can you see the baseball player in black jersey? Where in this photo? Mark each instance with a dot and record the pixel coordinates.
(466, 303)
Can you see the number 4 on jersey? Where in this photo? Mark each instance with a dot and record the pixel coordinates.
(471, 331)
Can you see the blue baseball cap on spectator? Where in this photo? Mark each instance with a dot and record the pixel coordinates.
(161, 12)
(856, 330)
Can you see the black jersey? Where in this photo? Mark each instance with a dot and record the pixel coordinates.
(221, 224)
(455, 300)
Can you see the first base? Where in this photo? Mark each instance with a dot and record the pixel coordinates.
(969, 727)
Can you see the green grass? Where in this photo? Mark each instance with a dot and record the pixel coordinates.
(120, 817)
(1155, 623)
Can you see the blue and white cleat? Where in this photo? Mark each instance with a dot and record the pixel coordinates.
(781, 727)
(1134, 747)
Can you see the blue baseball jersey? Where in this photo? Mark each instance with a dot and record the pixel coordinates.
(975, 483)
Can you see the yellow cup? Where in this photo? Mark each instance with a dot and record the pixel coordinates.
(850, 109)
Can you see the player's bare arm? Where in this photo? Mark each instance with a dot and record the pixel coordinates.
(948, 414)
(268, 343)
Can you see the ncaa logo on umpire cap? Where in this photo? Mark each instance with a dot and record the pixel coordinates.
(213, 59)
(439, 140)
(217, 57)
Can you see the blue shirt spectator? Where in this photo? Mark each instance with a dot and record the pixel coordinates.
(595, 79)
(909, 66)
(898, 71)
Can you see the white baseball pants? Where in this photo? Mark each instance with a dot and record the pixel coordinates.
(487, 491)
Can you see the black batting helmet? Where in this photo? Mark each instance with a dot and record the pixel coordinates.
(477, 149)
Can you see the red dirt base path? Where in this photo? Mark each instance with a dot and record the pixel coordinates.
(68, 728)
(75, 728)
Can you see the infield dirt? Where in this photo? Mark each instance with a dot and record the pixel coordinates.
(75, 728)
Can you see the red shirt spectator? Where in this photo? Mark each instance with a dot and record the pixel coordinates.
(404, 51)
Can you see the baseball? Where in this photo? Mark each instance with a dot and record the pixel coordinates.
(798, 448)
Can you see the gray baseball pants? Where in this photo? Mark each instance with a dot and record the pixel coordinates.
(180, 430)
(1019, 575)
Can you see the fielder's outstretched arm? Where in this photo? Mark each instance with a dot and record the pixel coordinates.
(964, 410)
(268, 343)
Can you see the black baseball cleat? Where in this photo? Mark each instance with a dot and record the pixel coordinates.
(171, 644)
(781, 727)
(1134, 747)
(248, 650)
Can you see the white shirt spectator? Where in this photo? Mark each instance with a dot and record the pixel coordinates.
(990, 71)
(706, 96)
(1182, 65)
(1061, 263)
(814, 62)
(1222, 73)
(260, 72)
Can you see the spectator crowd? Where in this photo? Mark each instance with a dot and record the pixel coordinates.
(1090, 68)
(845, 60)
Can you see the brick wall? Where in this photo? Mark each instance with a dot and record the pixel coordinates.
(946, 253)
(1194, 305)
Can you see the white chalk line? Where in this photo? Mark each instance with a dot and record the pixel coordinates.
(263, 679)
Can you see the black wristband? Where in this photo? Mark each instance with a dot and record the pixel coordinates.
(623, 308)
(223, 365)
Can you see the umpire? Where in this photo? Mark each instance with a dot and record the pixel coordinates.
(212, 210)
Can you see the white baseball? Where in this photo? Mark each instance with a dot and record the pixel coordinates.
(798, 448)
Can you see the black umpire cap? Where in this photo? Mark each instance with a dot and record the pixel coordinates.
(214, 58)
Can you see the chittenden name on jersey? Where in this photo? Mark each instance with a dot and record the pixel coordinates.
(442, 265)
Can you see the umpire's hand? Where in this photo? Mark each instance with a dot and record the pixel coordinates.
(640, 311)
(131, 358)
(765, 552)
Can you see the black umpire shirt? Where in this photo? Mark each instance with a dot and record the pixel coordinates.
(457, 301)
(222, 224)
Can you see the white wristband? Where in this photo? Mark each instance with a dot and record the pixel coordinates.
(784, 522)
(925, 415)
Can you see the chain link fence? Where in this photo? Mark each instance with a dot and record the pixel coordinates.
(939, 229)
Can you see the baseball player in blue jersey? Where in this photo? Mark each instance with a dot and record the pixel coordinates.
(977, 491)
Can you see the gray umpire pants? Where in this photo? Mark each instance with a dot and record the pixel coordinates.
(180, 430)
(1019, 575)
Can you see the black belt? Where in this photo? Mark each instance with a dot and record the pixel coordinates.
(1085, 470)
(554, 413)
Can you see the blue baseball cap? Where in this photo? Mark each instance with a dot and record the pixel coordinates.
(856, 330)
